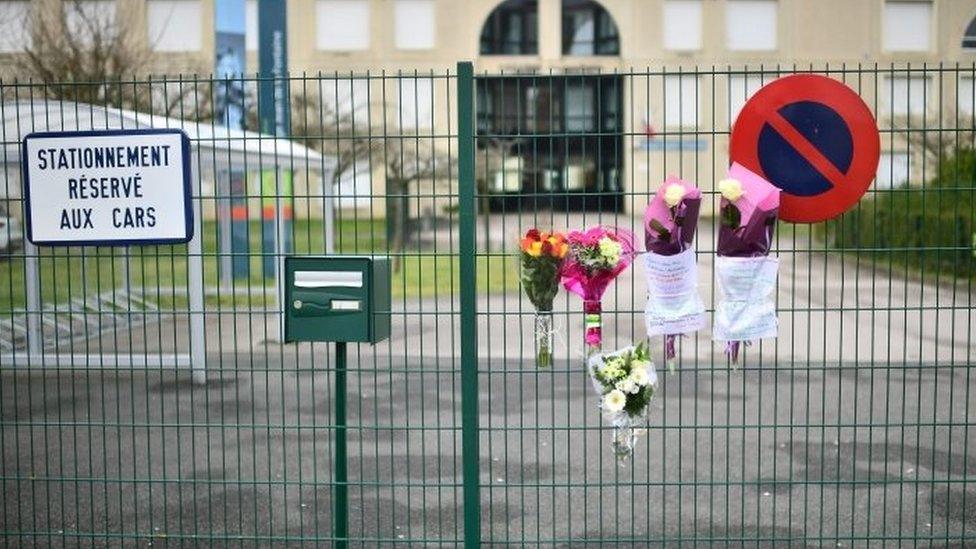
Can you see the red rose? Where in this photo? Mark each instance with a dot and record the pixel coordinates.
(533, 234)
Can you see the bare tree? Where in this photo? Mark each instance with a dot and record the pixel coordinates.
(93, 52)
(333, 130)
(349, 136)
(408, 163)
(931, 139)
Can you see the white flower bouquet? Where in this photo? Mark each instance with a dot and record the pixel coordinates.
(626, 381)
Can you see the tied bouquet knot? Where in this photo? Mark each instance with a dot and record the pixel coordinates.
(541, 259)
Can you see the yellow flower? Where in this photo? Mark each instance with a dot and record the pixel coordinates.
(614, 401)
(535, 249)
(610, 249)
(673, 194)
(731, 189)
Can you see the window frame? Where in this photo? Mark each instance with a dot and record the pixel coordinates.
(398, 5)
(887, 105)
(681, 122)
(366, 36)
(700, 23)
(930, 29)
(776, 27)
(969, 35)
(492, 41)
(602, 45)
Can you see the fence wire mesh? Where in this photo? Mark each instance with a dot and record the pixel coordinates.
(852, 427)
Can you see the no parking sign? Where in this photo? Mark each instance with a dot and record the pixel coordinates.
(815, 139)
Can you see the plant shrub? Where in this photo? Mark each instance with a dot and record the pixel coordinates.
(928, 227)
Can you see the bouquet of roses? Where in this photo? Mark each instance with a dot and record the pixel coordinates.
(746, 274)
(673, 304)
(541, 259)
(596, 257)
(625, 380)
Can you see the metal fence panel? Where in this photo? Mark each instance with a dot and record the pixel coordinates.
(853, 427)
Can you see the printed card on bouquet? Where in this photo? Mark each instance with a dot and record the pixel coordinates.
(745, 311)
(673, 304)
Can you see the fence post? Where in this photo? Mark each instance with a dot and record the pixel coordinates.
(32, 286)
(470, 453)
(194, 279)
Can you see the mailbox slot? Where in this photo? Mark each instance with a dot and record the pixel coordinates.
(328, 279)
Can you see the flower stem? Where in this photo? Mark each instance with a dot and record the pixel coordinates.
(543, 339)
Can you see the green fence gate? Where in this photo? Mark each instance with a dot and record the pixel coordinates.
(147, 396)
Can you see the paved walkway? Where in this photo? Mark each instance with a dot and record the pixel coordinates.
(855, 423)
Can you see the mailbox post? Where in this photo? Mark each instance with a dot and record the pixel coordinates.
(338, 299)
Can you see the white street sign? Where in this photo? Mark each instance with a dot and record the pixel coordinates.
(112, 187)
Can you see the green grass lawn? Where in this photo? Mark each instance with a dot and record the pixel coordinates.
(68, 274)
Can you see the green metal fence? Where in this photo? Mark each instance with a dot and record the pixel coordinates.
(146, 396)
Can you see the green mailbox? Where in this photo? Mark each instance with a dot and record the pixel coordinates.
(337, 298)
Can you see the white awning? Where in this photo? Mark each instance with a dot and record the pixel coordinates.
(219, 147)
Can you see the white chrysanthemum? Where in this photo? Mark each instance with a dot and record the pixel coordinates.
(614, 401)
(731, 189)
(640, 377)
(610, 250)
(673, 194)
(628, 386)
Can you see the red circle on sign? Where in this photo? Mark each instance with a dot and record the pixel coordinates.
(764, 110)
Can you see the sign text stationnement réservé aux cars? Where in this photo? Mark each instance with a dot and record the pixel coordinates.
(112, 187)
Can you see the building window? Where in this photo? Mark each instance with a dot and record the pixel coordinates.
(741, 88)
(751, 25)
(512, 29)
(347, 99)
(969, 39)
(251, 25)
(907, 25)
(580, 108)
(682, 25)
(15, 24)
(415, 22)
(85, 18)
(681, 101)
(577, 115)
(415, 98)
(173, 25)
(342, 25)
(904, 96)
(965, 96)
(588, 29)
(894, 170)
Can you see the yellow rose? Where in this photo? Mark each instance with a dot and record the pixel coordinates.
(673, 194)
(731, 189)
(535, 249)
